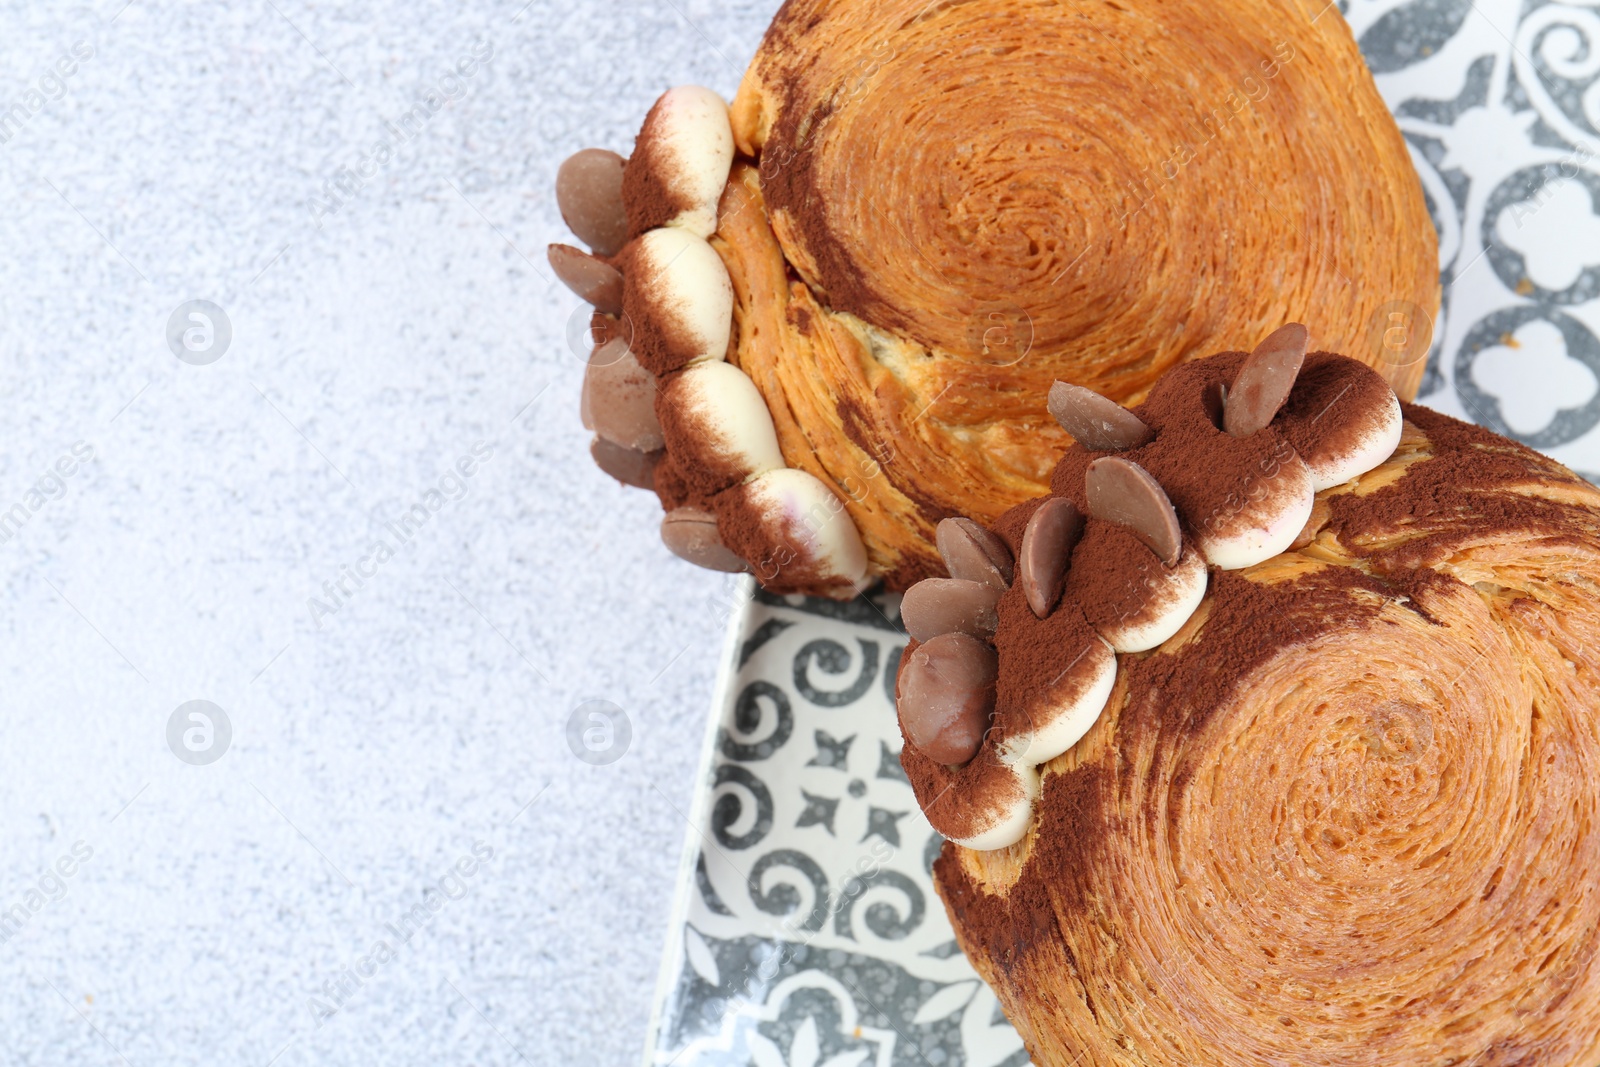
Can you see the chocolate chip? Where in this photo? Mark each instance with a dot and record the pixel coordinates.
(627, 465)
(1046, 546)
(945, 696)
(937, 606)
(593, 280)
(620, 399)
(1123, 492)
(1096, 423)
(1263, 383)
(971, 552)
(589, 194)
(691, 534)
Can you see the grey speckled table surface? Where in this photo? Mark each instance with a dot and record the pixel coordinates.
(185, 528)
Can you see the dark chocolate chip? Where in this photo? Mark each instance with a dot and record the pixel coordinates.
(937, 606)
(620, 399)
(1263, 383)
(593, 280)
(971, 552)
(627, 465)
(589, 194)
(691, 534)
(1096, 423)
(1046, 546)
(1123, 492)
(945, 696)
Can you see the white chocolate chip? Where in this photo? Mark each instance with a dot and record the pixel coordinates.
(1060, 722)
(1168, 606)
(725, 424)
(1011, 816)
(679, 287)
(694, 141)
(1371, 449)
(1272, 512)
(801, 517)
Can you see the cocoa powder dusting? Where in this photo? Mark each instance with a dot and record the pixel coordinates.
(1450, 495)
(1011, 525)
(1319, 418)
(780, 556)
(657, 336)
(702, 471)
(963, 796)
(647, 195)
(1040, 661)
(1165, 699)
(1115, 577)
(673, 490)
(1210, 475)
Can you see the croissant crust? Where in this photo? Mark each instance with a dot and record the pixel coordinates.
(946, 207)
(1348, 814)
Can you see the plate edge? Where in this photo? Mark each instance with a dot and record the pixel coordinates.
(721, 694)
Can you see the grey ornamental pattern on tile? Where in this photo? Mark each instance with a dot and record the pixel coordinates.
(811, 935)
(1500, 104)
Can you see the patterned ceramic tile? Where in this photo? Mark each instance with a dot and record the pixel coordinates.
(807, 932)
(810, 935)
(1500, 102)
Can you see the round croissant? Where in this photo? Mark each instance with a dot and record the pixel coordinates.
(1346, 814)
(934, 210)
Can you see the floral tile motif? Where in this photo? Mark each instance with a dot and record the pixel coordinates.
(807, 931)
(1500, 103)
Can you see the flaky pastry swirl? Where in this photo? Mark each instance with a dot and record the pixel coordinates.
(936, 209)
(1348, 813)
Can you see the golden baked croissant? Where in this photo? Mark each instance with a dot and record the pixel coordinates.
(1334, 801)
(922, 214)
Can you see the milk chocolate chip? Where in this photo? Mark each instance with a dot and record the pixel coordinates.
(1046, 546)
(1123, 492)
(691, 534)
(595, 281)
(937, 606)
(1263, 383)
(1098, 424)
(945, 696)
(589, 194)
(627, 465)
(971, 552)
(619, 398)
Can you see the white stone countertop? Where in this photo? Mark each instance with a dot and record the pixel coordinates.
(173, 531)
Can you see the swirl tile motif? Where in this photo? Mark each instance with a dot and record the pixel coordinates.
(807, 932)
(1500, 103)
